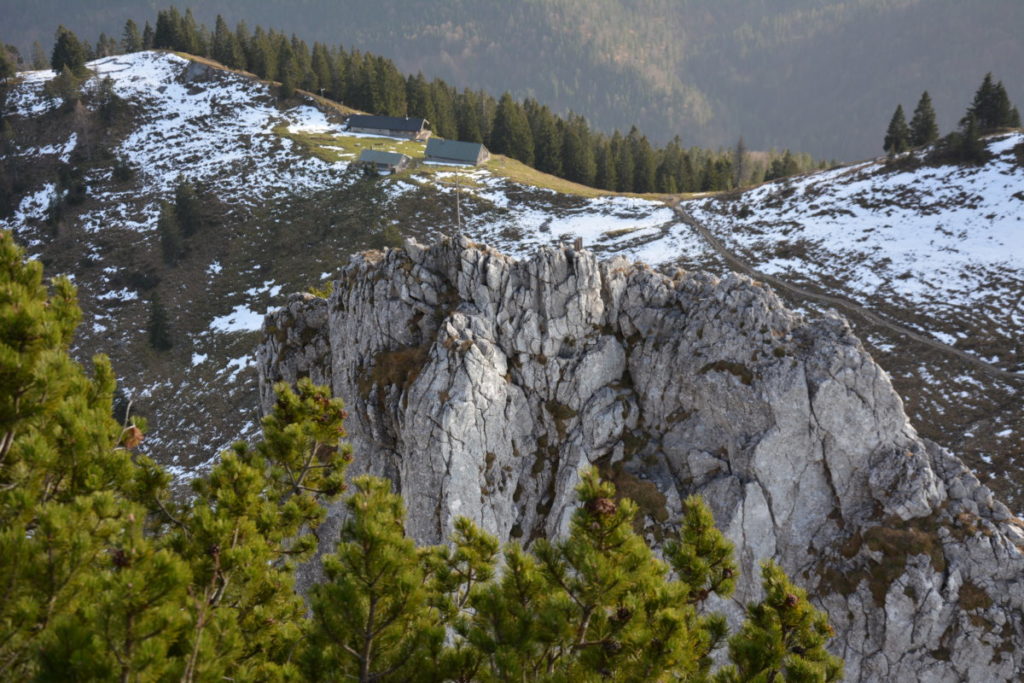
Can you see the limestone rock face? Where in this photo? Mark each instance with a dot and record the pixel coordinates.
(481, 385)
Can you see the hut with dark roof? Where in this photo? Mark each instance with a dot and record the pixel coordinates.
(391, 126)
(455, 152)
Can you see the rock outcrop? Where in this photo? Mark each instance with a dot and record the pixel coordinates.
(481, 385)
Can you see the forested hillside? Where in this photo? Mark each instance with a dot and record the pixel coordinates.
(779, 73)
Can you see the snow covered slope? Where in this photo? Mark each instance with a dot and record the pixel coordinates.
(937, 249)
(283, 217)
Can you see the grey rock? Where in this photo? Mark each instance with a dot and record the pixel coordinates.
(482, 385)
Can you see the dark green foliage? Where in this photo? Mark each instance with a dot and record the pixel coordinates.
(371, 617)
(7, 68)
(991, 107)
(39, 58)
(783, 637)
(131, 39)
(68, 52)
(158, 326)
(109, 105)
(104, 577)
(172, 244)
(511, 133)
(527, 131)
(897, 135)
(66, 87)
(148, 37)
(188, 208)
(923, 128)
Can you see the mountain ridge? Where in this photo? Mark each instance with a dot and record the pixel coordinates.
(481, 385)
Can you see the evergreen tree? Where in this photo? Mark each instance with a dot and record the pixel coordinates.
(68, 52)
(172, 245)
(39, 59)
(148, 37)
(131, 39)
(442, 100)
(1014, 120)
(644, 163)
(923, 129)
(168, 30)
(66, 86)
(226, 49)
(159, 326)
(188, 208)
(625, 164)
(547, 139)
(467, 111)
(605, 162)
(189, 38)
(783, 637)
(578, 160)
(511, 135)
(897, 136)
(7, 69)
(991, 107)
(740, 164)
(378, 576)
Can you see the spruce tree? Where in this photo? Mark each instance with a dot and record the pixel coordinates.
(159, 326)
(148, 37)
(188, 208)
(68, 52)
(131, 39)
(39, 59)
(511, 134)
(897, 135)
(7, 69)
(923, 129)
(226, 49)
(172, 245)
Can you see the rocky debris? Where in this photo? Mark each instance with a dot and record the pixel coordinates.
(481, 385)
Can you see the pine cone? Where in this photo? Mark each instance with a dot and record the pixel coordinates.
(603, 506)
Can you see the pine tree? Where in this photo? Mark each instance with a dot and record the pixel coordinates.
(7, 69)
(172, 245)
(991, 107)
(159, 326)
(923, 129)
(783, 637)
(378, 576)
(547, 139)
(166, 35)
(39, 60)
(511, 135)
(66, 86)
(897, 136)
(131, 39)
(188, 208)
(69, 52)
(740, 164)
(226, 49)
(148, 37)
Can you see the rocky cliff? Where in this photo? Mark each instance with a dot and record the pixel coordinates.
(481, 385)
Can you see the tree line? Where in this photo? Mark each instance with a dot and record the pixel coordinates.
(528, 131)
(107, 576)
(989, 111)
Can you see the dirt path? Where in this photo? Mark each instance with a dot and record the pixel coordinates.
(843, 304)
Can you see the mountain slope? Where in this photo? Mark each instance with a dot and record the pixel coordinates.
(779, 73)
(283, 208)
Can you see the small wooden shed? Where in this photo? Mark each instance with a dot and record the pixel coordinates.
(380, 161)
(456, 152)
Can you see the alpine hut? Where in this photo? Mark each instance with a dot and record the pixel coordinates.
(455, 152)
(391, 126)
